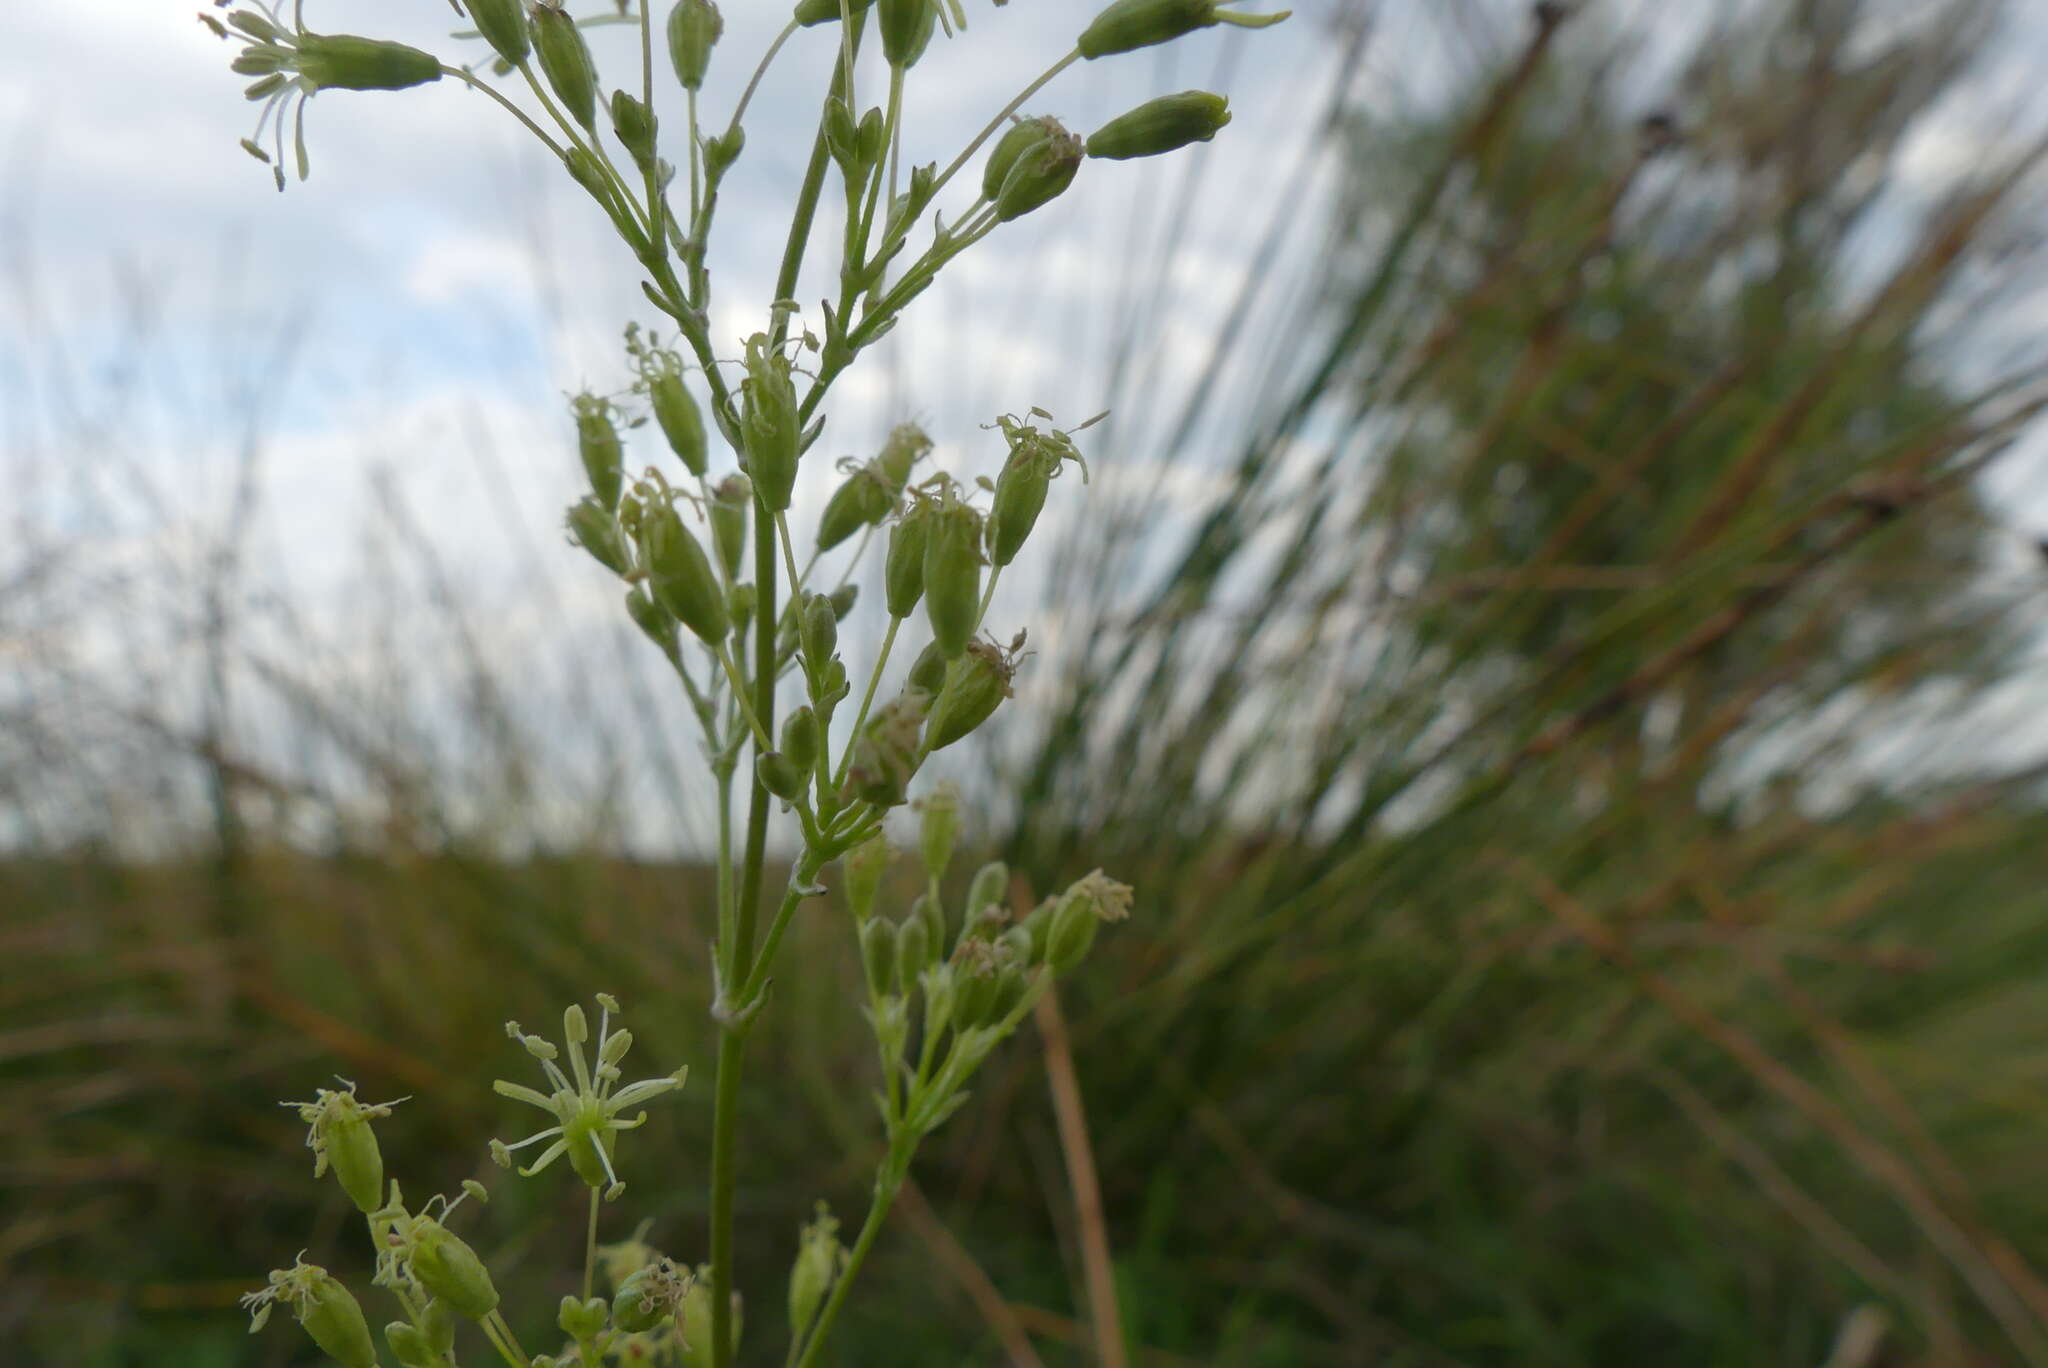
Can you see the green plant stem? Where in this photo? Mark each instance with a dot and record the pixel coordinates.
(732, 1041)
(867, 700)
(590, 1246)
(474, 84)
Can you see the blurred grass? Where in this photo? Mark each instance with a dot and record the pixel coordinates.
(1593, 912)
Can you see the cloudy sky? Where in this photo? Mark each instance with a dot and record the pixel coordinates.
(366, 373)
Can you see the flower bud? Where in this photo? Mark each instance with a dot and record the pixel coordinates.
(1128, 25)
(905, 447)
(437, 1325)
(842, 136)
(928, 671)
(739, 606)
(906, 30)
(450, 1270)
(780, 776)
(503, 25)
(842, 600)
(681, 421)
(729, 504)
(1166, 124)
(340, 61)
(939, 813)
(1041, 172)
(864, 866)
(565, 60)
(903, 569)
(597, 441)
(913, 949)
(952, 575)
(768, 425)
(800, 738)
(878, 955)
(581, 1320)
(720, 153)
(635, 125)
(862, 501)
(974, 993)
(682, 578)
(991, 881)
(818, 629)
(819, 1259)
(976, 684)
(694, 28)
(1069, 934)
(1021, 135)
(1015, 945)
(408, 1345)
(592, 527)
(810, 13)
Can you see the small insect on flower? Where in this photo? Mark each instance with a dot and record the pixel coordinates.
(585, 1107)
(290, 61)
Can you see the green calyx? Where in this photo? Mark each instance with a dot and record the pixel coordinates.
(1163, 125)
(694, 28)
(566, 62)
(952, 574)
(1031, 165)
(341, 61)
(1128, 25)
(976, 684)
(503, 25)
(768, 423)
(681, 575)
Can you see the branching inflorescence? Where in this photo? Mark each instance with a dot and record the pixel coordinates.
(742, 626)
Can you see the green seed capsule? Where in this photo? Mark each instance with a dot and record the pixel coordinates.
(938, 826)
(1020, 498)
(681, 421)
(907, 27)
(1020, 137)
(636, 127)
(740, 607)
(683, 582)
(878, 956)
(819, 630)
(813, 12)
(991, 881)
(334, 1320)
(1040, 174)
(952, 576)
(1166, 124)
(340, 61)
(1131, 24)
(768, 423)
(694, 28)
(842, 600)
(864, 866)
(592, 527)
(351, 1149)
(903, 570)
(862, 501)
(729, 505)
(932, 913)
(781, 777)
(649, 1296)
(800, 738)
(886, 753)
(1070, 933)
(437, 1324)
(597, 440)
(565, 60)
(450, 1269)
(913, 949)
(503, 25)
(1011, 984)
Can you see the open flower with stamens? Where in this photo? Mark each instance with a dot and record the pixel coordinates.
(583, 1102)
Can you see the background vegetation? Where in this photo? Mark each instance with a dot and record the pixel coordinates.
(1572, 748)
